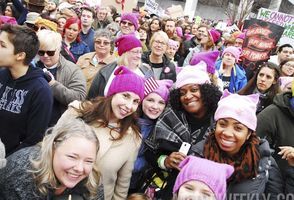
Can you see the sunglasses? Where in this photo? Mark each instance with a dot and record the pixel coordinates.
(99, 42)
(32, 26)
(49, 53)
(126, 23)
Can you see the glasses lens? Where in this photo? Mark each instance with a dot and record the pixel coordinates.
(41, 53)
(49, 53)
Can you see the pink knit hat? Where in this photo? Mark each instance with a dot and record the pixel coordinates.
(163, 89)
(192, 75)
(8, 20)
(241, 36)
(179, 31)
(208, 57)
(236, 52)
(126, 81)
(285, 82)
(173, 43)
(214, 35)
(132, 17)
(213, 174)
(239, 107)
(126, 43)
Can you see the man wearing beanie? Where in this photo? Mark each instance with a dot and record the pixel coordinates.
(276, 124)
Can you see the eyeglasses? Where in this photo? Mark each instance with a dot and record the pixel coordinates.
(100, 42)
(136, 52)
(159, 42)
(126, 23)
(32, 26)
(49, 53)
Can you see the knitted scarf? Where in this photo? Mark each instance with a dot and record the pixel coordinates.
(245, 162)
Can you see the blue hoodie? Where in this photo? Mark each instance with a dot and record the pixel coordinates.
(25, 108)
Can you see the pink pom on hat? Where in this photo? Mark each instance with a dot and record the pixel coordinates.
(132, 17)
(192, 75)
(208, 57)
(236, 52)
(126, 43)
(213, 174)
(126, 81)
(239, 107)
(214, 35)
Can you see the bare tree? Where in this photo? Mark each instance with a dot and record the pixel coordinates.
(237, 10)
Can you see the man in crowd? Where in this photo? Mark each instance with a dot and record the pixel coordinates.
(283, 52)
(87, 32)
(170, 27)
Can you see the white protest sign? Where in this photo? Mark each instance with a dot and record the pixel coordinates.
(151, 6)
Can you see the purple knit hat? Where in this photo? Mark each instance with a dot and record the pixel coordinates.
(236, 52)
(163, 89)
(208, 57)
(126, 81)
(126, 43)
(214, 35)
(8, 20)
(213, 174)
(239, 107)
(132, 17)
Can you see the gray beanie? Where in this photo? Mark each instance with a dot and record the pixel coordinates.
(2, 155)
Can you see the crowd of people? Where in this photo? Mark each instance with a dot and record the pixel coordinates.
(96, 104)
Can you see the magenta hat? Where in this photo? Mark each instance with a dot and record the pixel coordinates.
(126, 43)
(211, 173)
(126, 81)
(241, 36)
(239, 107)
(214, 35)
(173, 43)
(132, 17)
(285, 82)
(236, 52)
(179, 31)
(192, 75)
(163, 89)
(208, 57)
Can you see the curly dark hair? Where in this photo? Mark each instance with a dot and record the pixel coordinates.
(210, 96)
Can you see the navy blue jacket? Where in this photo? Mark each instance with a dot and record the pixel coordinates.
(25, 108)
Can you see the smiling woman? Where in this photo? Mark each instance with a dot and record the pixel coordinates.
(113, 118)
(55, 168)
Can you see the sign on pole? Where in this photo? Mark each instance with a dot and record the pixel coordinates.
(151, 6)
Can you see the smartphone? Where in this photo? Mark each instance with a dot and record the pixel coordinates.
(185, 147)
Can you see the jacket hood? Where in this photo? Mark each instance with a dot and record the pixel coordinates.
(283, 102)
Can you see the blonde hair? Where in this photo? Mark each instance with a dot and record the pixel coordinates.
(42, 166)
(49, 39)
(123, 60)
(159, 34)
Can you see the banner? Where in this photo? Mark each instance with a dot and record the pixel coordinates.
(175, 11)
(281, 19)
(151, 6)
(261, 39)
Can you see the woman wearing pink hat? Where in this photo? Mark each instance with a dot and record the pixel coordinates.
(265, 83)
(113, 119)
(232, 75)
(235, 142)
(153, 104)
(130, 52)
(185, 122)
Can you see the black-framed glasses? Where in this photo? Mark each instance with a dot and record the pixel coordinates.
(126, 23)
(49, 53)
(32, 26)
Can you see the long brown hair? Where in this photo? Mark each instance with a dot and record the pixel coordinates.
(100, 110)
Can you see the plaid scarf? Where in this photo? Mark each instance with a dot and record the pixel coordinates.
(245, 162)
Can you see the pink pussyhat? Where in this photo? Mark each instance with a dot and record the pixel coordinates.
(239, 107)
(209, 58)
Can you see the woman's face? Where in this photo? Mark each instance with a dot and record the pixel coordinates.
(171, 51)
(72, 32)
(153, 105)
(134, 56)
(229, 59)
(61, 22)
(230, 135)
(265, 79)
(288, 68)
(142, 34)
(124, 104)
(190, 98)
(154, 26)
(188, 30)
(71, 164)
(102, 45)
(195, 190)
(194, 29)
(8, 11)
(158, 46)
(127, 27)
(204, 37)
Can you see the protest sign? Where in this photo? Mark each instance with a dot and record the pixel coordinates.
(151, 6)
(128, 5)
(261, 39)
(175, 11)
(281, 19)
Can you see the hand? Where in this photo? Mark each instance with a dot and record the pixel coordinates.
(287, 152)
(174, 159)
(49, 77)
